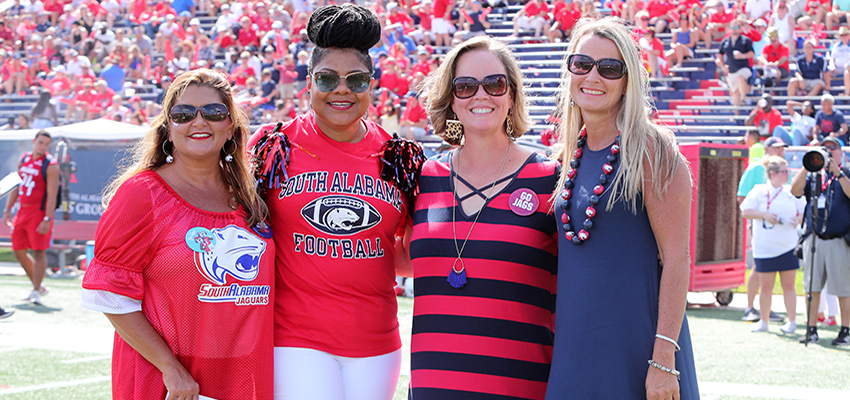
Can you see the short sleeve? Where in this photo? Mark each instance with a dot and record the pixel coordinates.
(800, 203)
(125, 242)
(839, 117)
(748, 44)
(751, 201)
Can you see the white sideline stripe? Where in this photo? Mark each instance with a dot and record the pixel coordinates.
(55, 385)
(771, 391)
(87, 359)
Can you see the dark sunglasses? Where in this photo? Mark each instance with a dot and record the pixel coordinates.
(357, 82)
(465, 87)
(213, 112)
(608, 68)
(831, 148)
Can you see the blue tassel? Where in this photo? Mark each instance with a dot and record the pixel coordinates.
(457, 280)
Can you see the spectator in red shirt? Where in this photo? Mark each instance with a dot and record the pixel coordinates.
(243, 71)
(653, 51)
(765, 117)
(393, 79)
(422, 65)
(717, 22)
(565, 18)
(533, 16)
(414, 119)
(441, 21)
(77, 105)
(774, 58)
(59, 85)
(659, 14)
(247, 35)
(423, 34)
(397, 15)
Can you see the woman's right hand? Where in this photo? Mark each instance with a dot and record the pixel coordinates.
(180, 384)
(771, 218)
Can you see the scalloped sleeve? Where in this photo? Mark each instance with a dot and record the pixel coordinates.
(126, 240)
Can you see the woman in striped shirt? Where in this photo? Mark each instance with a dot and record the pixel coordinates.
(483, 241)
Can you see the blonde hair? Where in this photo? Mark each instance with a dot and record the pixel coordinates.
(148, 155)
(641, 140)
(772, 164)
(438, 85)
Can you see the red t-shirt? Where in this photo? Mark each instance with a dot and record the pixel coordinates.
(56, 85)
(425, 20)
(657, 8)
(402, 18)
(439, 8)
(241, 74)
(33, 186)
(722, 17)
(774, 53)
(774, 117)
(414, 114)
(334, 225)
(532, 10)
(139, 7)
(213, 308)
(247, 37)
(422, 67)
(567, 18)
(225, 41)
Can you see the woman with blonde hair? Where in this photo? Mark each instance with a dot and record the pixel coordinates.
(775, 237)
(483, 237)
(623, 210)
(183, 264)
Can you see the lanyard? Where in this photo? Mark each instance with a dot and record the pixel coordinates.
(770, 200)
(826, 182)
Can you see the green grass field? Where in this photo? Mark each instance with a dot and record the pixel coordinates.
(61, 361)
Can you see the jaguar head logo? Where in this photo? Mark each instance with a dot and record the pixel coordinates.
(236, 252)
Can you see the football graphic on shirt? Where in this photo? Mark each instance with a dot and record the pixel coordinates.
(340, 215)
(236, 252)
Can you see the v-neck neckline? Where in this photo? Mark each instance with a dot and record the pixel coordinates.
(458, 202)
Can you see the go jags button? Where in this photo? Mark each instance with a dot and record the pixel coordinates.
(200, 239)
(523, 202)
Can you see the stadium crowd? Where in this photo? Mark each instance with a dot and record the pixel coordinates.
(97, 57)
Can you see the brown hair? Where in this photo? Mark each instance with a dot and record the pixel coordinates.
(148, 155)
(438, 85)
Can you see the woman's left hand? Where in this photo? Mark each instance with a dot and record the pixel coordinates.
(662, 385)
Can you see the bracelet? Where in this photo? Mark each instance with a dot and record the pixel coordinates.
(675, 373)
(660, 336)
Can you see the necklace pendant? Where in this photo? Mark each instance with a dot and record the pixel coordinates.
(457, 278)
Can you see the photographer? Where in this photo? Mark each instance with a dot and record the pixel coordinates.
(832, 253)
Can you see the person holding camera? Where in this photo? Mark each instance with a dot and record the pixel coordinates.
(830, 189)
(775, 213)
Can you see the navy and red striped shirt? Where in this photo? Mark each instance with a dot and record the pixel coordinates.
(492, 338)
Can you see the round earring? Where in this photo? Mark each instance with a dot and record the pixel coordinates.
(168, 157)
(572, 103)
(229, 156)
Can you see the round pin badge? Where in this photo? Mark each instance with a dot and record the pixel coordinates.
(200, 239)
(264, 230)
(523, 202)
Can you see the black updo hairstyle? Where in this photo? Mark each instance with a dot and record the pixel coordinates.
(348, 26)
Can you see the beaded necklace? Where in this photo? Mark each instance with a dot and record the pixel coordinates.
(566, 193)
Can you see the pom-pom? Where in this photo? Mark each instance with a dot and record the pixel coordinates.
(401, 162)
(270, 157)
(345, 26)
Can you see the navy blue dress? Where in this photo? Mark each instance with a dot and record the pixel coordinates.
(608, 300)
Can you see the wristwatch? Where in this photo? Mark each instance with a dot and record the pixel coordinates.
(46, 219)
(840, 174)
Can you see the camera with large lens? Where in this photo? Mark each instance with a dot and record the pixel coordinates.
(814, 160)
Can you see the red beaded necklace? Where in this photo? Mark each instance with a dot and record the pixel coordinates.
(566, 193)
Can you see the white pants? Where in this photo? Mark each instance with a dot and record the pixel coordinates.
(308, 374)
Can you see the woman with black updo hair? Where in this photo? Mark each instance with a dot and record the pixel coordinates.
(338, 189)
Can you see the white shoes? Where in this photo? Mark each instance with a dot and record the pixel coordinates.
(761, 326)
(35, 295)
(789, 327)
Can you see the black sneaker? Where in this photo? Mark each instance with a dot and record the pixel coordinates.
(812, 338)
(843, 339)
(6, 313)
(750, 315)
(774, 317)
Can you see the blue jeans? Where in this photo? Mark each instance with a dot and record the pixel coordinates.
(795, 138)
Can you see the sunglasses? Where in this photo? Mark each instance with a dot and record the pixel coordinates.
(357, 82)
(831, 148)
(608, 68)
(465, 87)
(213, 112)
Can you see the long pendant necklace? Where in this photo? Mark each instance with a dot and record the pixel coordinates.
(566, 193)
(457, 278)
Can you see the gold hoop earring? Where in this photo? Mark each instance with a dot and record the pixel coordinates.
(454, 131)
(168, 157)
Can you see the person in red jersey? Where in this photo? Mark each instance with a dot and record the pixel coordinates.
(33, 224)
(183, 263)
(335, 221)
(483, 238)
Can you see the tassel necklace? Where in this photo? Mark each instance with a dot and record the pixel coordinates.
(457, 278)
(566, 193)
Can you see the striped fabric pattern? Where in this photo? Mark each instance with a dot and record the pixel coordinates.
(492, 338)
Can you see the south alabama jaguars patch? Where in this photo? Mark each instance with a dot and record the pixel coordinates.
(237, 253)
(340, 215)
